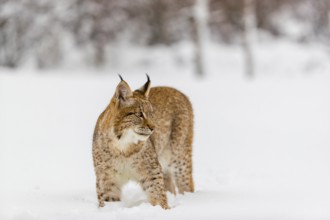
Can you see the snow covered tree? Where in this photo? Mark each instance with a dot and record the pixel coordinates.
(15, 36)
(200, 29)
(31, 30)
(38, 31)
(249, 36)
(321, 19)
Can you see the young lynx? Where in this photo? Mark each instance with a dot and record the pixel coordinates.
(145, 136)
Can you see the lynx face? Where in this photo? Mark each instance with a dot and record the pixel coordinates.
(134, 123)
(133, 119)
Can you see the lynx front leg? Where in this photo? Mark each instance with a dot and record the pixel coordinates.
(100, 193)
(151, 178)
(155, 190)
(107, 190)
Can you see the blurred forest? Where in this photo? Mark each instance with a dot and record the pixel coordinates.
(47, 31)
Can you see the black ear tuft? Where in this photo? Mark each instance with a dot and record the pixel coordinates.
(121, 78)
(146, 87)
(148, 77)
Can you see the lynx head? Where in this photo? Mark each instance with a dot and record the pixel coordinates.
(132, 115)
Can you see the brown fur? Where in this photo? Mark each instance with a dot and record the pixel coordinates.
(145, 136)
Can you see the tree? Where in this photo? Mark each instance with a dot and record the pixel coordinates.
(199, 33)
(15, 36)
(249, 36)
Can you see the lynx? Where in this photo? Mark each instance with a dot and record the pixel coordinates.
(145, 136)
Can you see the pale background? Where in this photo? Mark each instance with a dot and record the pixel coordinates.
(257, 74)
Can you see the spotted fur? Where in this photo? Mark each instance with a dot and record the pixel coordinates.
(145, 136)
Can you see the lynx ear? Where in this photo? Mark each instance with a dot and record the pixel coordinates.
(145, 89)
(123, 91)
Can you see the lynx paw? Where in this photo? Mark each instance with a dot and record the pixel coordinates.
(101, 204)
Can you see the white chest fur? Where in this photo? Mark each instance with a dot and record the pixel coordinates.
(128, 138)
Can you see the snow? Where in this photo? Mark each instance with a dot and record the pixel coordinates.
(261, 148)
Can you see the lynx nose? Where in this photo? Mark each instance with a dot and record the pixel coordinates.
(151, 126)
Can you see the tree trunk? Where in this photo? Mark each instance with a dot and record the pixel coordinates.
(199, 26)
(249, 36)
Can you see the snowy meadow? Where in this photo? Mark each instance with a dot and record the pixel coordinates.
(261, 148)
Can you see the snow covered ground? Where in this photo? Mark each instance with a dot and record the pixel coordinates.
(261, 148)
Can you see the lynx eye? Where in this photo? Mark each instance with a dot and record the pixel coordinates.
(130, 114)
(139, 114)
